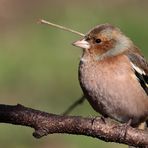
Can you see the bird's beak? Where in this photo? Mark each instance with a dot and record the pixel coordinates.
(82, 44)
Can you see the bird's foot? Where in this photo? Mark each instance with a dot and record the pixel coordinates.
(124, 127)
(102, 119)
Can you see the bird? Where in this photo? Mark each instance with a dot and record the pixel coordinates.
(113, 75)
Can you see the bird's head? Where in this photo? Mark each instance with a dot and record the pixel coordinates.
(104, 41)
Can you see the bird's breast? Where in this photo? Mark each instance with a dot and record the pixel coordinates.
(112, 89)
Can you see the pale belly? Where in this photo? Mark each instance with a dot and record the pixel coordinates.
(114, 93)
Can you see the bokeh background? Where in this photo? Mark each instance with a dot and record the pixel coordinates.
(38, 64)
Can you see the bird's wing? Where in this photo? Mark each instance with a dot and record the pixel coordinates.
(140, 67)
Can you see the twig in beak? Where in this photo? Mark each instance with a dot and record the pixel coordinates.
(41, 21)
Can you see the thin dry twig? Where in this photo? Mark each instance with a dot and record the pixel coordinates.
(74, 105)
(41, 21)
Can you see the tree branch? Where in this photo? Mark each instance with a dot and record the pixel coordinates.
(46, 123)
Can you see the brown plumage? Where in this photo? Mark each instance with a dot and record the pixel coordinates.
(113, 75)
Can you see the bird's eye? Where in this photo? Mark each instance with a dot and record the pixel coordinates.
(98, 41)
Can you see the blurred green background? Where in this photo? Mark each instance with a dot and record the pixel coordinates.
(39, 65)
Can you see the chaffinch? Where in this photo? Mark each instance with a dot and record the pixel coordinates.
(114, 75)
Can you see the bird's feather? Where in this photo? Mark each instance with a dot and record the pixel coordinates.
(140, 67)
